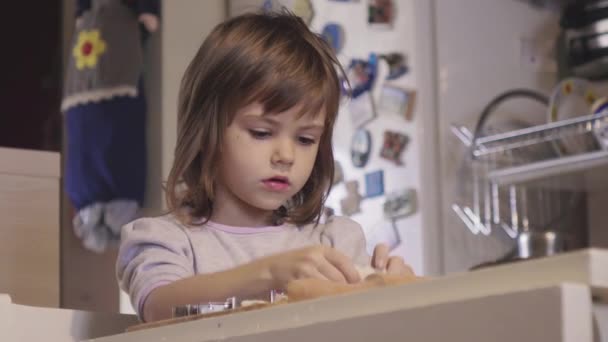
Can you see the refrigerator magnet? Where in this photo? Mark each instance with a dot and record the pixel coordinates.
(301, 8)
(374, 184)
(397, 65)
(397, 101)
(334, 35)
(350, 204)
(380, 14)
(360, 76)
(362, 110)
(400, 203)
(393, 146)
(360, 148)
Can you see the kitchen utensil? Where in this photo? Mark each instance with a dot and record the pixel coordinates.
(570, 98)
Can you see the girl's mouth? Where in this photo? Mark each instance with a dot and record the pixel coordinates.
(276, 183)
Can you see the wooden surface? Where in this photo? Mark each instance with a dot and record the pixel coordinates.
(29, 226)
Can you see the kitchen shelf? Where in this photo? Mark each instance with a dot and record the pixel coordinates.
(587, 171)
(553, 160)
(525, 137)
(577, 167)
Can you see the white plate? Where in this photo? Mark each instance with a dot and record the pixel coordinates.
(571, 98)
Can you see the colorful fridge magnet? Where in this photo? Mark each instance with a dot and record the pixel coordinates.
(380, 13)
(268, 5)
(361, 147)
(393, 146)
(362, 110)
(400, 204)
(397, 65)
(301, 8)
(361, 75)
(397, 101)
(374, 184)
(334, 36)
(350, 204)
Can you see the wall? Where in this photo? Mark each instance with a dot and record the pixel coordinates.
(186, 23)
(478, 57)
(153, 200)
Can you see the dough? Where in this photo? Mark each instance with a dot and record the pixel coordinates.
(302, 289)
(365, 271)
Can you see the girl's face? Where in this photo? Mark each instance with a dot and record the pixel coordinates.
(265, 159)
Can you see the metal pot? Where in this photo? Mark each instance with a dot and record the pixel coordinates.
(585, 39)
(531, 244)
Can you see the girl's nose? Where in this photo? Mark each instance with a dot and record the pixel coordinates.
(284, 152)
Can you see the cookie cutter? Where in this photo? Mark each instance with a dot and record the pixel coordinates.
(230, 303)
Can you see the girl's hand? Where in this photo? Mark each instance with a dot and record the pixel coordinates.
(391, 264)
(317, 262)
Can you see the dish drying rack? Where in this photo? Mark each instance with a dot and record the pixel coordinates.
(567, 155)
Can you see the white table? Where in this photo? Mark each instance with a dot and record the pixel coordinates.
(552, 299)
(21, 323)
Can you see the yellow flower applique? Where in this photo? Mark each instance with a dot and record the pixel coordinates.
(88, 49)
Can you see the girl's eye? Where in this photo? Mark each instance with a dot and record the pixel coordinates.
(258, 134)
(306, 141)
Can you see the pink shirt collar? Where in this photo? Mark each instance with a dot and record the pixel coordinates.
(239, 229)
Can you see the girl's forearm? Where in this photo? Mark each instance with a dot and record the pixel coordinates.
(246, 281)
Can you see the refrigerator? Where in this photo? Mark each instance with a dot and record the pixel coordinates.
(378, 138)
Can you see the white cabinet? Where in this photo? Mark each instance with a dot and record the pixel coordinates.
(29, 226)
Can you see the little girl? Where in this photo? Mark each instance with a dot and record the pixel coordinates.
(253, 165)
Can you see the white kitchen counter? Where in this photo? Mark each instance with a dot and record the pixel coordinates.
(548, 299)
(24, 323)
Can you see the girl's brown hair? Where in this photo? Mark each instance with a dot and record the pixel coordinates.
(270, 58)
